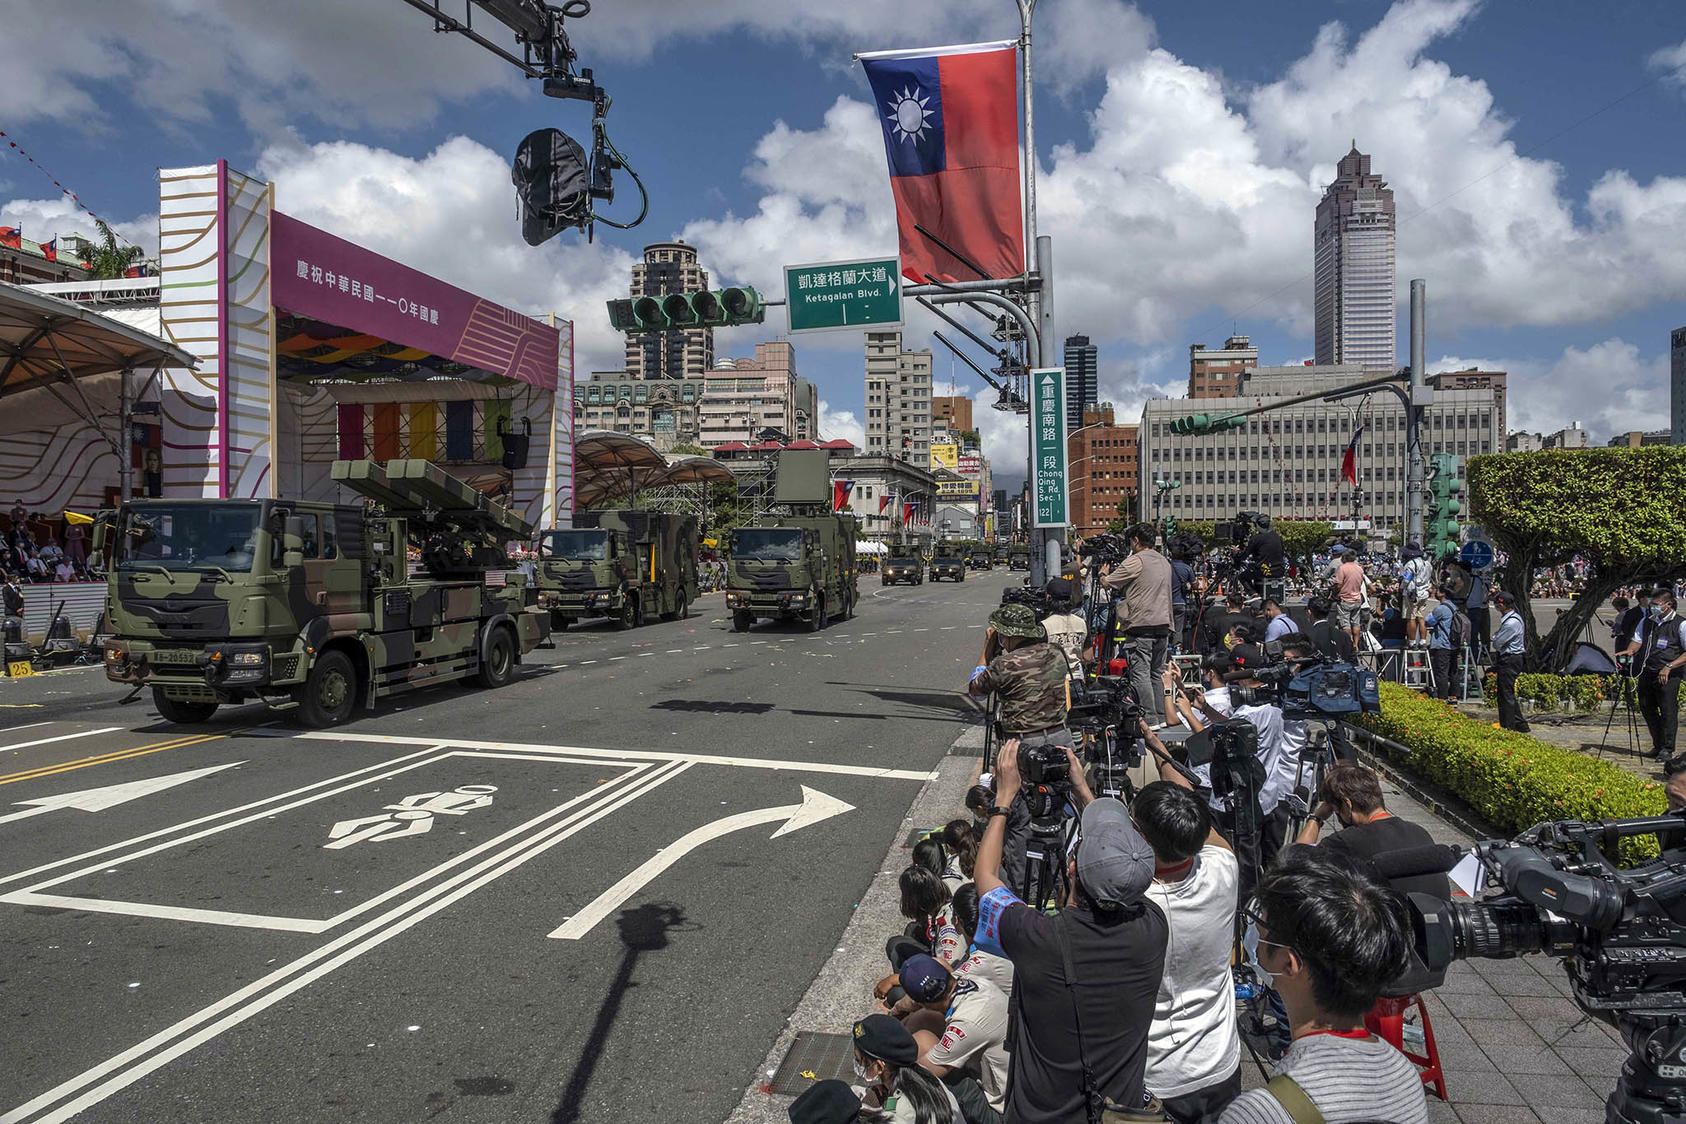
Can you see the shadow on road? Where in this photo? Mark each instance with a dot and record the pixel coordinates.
(642, 930)
(948, 702)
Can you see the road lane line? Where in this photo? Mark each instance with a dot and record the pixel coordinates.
(612, 659)
(108, 758)
(25, 726)
(59, 738)
(308, 968)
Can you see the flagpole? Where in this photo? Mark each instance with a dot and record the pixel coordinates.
(1027, 9)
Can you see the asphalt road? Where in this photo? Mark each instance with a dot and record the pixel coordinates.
(593, 895)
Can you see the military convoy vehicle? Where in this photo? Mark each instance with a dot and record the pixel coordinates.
(629, 566)
(799, 565)
(981, 557)
(315, 607)
(948, 563)
(903, 565)
(1018, 556)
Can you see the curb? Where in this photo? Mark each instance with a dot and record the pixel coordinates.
(842, 992)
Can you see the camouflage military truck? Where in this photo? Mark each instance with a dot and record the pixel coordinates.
(1018, 556)
(799, 565)
(981, 557)
(948, 563)
(315, 606)
(630, 566)
(903, 565)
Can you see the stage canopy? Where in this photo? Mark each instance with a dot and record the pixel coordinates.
(609, 466)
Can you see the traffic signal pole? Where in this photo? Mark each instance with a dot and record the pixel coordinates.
(1422, 395)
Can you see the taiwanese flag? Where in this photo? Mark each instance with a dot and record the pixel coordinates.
(1349, 463)
(11, 236)
(951, 131)
(883, 502)
(840, 490)
(50, 250)
(907, 512)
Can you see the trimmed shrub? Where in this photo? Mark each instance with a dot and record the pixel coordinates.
(1513, 780)
(1551, 692)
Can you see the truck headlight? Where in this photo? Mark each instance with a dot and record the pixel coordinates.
(248, 659)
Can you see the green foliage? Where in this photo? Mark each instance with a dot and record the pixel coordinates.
(1302, 538)
(1513, 780)
(106, 260)
(1550, 692)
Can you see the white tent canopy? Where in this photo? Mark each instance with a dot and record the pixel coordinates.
(862, 547)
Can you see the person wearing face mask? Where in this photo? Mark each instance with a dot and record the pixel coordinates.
(887, 1063)
(1658, 646)
(1332, 940)
(1510, 644)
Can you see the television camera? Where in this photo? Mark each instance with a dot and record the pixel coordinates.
(1619, 932)
(1310, 688)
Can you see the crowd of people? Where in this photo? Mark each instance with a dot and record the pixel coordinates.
(38, 550)
(1112, 990)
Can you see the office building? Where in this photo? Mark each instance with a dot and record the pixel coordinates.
(1105, 469)
(1571, 436)
(1474, 379)
(669, 267)
(1634, 439)
(1288, 462)
(898, 399)
(1521, 442)
(665, 411)
(1353, 268)
(1082, 378)
(1677, 385)
(805, 409)
(744, 398)
(953, 413)
(1219, 374)
(882, 485)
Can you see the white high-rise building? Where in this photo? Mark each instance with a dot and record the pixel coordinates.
(898, 399)
(1354, 255)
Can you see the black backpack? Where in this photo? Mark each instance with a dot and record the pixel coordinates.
(1461, 630)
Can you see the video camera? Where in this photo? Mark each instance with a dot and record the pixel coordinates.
(1105, 548)
(1033, 595)
(1238, 530)
(1621, 934)
(1311, 688)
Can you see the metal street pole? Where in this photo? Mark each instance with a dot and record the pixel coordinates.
(1422, 395)
(1027, 9)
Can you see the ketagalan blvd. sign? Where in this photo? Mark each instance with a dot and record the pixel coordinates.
(838, 295)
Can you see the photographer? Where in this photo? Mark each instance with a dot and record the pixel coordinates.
(1027, 674)
(1331, 642)
(1265, 556)
(1353, 795)
(1066, 630)
(1416, 577)
(1084, 980)
(1332, 940)
(1661, 637)
(1144, 613)
(1509, 645)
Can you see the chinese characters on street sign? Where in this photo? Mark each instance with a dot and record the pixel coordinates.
(1047, 447)
(827, 296)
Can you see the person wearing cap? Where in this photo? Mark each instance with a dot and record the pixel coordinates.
(887, 1062)
(1066, 630)
(826, 1102)
(1510, 646)
(962, 1037)
(1266, 556)
(1084, 980)
(1143, 582)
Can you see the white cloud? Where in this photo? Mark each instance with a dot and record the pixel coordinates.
(1545, 395)
(451, 214)
(43, 219)
(835, 423)
(1673, 61)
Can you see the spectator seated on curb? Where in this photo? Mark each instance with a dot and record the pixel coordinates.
(1332, 940)
(1352, 794)
(926, 982)
(979, 964)
(960, 847)
(887, 1062)
(929, 930)
(965, 1046)
(828, 1102)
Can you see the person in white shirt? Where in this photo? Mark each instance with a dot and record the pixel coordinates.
(1193, 1046)
(1066, 630)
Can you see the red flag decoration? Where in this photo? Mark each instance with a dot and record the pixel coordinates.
(50, 250)
(951, 132)
(1349, 463)
(883, 502)
(907, 512)
(840, 490)
(11, 236)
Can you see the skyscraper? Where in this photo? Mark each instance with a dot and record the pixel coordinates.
(898, 399)
(669, 267)
(1353, 246)
(1082, 379)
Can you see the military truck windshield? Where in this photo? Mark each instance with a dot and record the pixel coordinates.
(576, 546)
(189, 537)
(767, 544)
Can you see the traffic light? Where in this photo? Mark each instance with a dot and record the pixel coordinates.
(707, 309)
(1440, 516)
(1199, 425)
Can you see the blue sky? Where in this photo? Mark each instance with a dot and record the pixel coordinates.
(1181, 147)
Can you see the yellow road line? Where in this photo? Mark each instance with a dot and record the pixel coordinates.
(115, 755)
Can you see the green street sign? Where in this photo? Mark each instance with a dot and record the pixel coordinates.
(1047, 448)
(834, 295)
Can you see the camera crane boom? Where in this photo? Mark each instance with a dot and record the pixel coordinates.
(554, 179)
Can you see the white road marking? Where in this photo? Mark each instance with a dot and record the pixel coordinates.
(60, 738)
(922, 630)
(950, 627)
(815, 807)
(234, 1009)
(629, 755)
(99, 799)
(583, 663)
(612, 659)
(673, 651)
(26, 726)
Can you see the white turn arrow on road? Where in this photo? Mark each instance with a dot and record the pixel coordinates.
(99, 799)
(815, 806)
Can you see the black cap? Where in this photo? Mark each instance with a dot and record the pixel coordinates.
(1247, 659)
(1061, 589)
(885, 1038)
(826, 1102)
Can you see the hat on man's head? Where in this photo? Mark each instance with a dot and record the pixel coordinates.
(1062, 590)
(1114, 862)
(1017, 620)
(1247, 658)
(826, 1102)
(885, 1038)
(924, 978)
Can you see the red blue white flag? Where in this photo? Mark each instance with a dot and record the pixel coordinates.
(951, 132)
(50, 250)
(1349, 463)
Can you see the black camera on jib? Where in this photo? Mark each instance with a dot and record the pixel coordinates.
(1032, 595)
(1104, 703)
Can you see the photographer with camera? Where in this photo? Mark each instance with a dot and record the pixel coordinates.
(1085, 979)
(1066, 630)
(1332, 940)
(1265, 557)
(1330, 642)
(1144, 612)
(1352, 794)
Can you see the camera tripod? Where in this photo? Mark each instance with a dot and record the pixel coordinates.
(1630, 691)
(1052, 829)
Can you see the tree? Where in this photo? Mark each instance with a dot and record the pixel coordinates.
(107, 260)
(1301, 538)
(1618, 509)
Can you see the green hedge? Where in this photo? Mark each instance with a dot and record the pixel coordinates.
(1513, 780)
(1550, 692)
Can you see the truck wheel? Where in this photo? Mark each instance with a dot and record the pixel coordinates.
(498, 667)
(181, 710)
(816, 620)
(558, 623)
(681, 610)
(742, 619)
(628, 617)
(329, 693)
